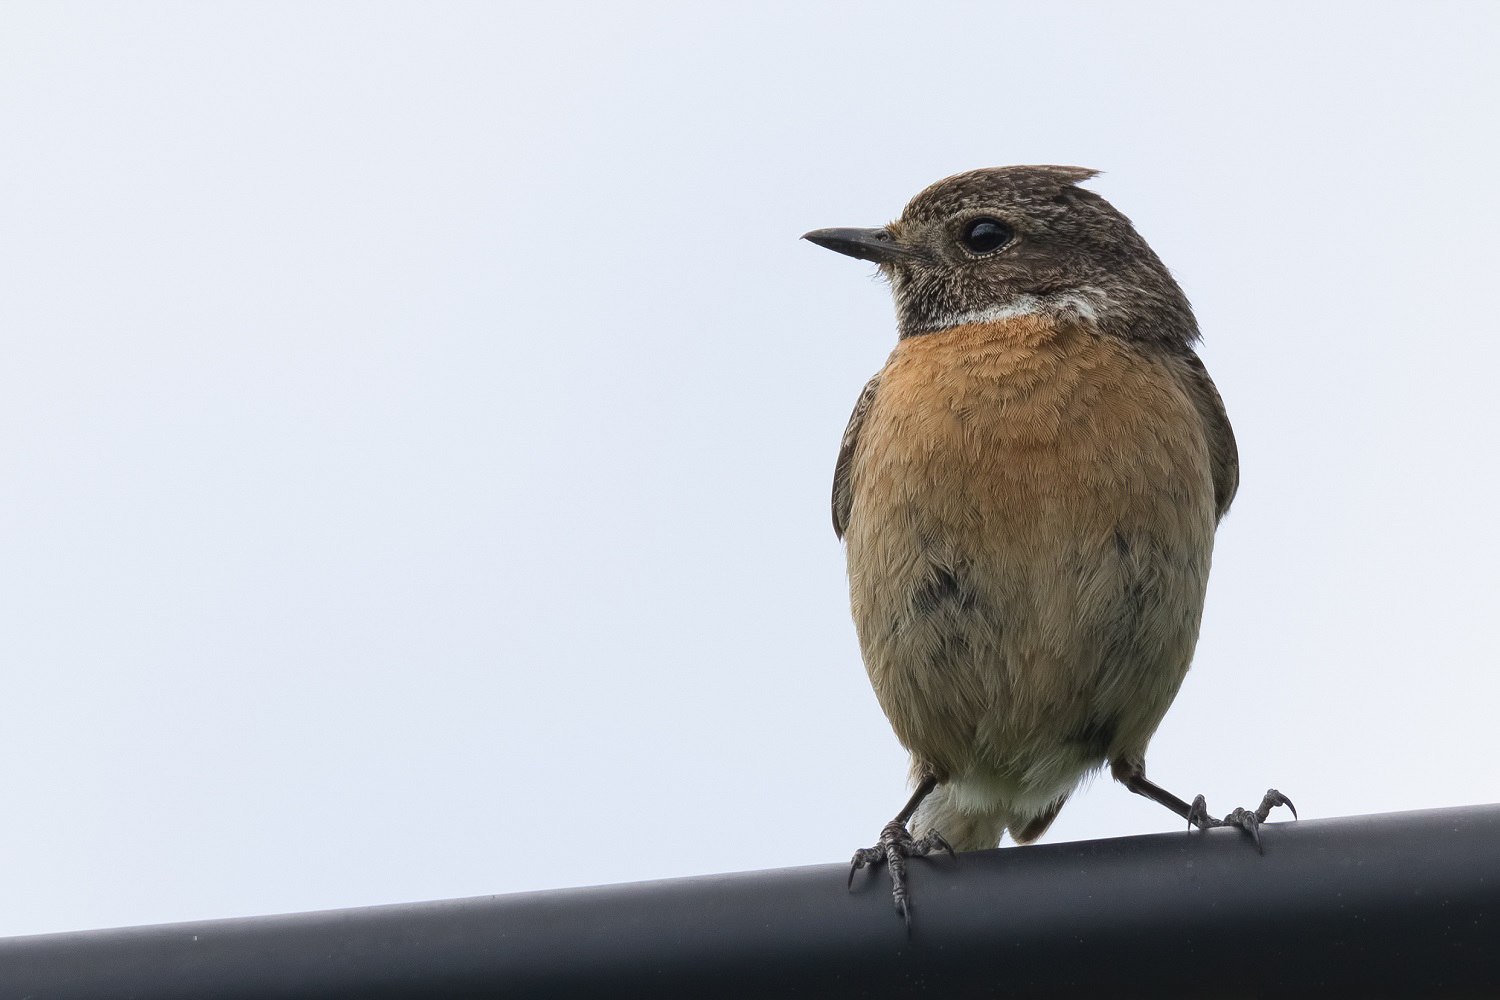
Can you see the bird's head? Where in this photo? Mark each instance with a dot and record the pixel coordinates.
(1000, 242)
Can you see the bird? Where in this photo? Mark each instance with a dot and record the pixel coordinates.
(1028, 493)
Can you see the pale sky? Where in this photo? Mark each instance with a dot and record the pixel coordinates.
(417, 420)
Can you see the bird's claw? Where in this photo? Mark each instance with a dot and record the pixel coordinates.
(895, 846)
(1245, 819)
(863, 856)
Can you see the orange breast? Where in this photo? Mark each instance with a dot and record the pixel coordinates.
(1029, 542)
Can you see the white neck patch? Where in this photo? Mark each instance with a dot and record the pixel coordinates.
(1083, 304)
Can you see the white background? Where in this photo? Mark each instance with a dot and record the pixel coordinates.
(416, 423)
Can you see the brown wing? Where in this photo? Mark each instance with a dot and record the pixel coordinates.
(843, 491)
(1222, 451)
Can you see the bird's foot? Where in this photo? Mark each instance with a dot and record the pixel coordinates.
(896, 845)
(1247, 820)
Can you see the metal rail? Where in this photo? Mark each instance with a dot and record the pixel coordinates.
(1400, 904)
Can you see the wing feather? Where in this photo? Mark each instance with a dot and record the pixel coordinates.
(843, 490)
(1222, 451)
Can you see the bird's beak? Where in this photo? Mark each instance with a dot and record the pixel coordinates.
(866, 244)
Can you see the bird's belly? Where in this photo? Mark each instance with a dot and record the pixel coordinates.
(1029, 544)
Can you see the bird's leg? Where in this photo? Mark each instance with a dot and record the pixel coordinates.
(897, 844)
(1132, 774)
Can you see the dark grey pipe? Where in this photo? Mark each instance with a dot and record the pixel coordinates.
(1400, 904)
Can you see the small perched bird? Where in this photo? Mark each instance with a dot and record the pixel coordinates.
(1028, 491)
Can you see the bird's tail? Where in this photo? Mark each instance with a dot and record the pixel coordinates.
(968, 830)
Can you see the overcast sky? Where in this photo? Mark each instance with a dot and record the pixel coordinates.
(417, 420)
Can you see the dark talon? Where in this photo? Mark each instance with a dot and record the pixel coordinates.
(1247, 821)
(1133, 775)
(1242, 818)
(1271, 801)
(863, 856)
(1198, 815)
(895, 846)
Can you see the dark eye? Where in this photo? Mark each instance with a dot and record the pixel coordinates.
(984, 235)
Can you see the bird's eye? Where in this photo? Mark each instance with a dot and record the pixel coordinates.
(984, 235)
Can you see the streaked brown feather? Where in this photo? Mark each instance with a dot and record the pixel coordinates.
(1222, 450)
(843, 496)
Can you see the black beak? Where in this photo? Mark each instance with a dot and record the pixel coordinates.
(866, 244)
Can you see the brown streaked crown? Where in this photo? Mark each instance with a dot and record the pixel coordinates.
(1009, 240)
